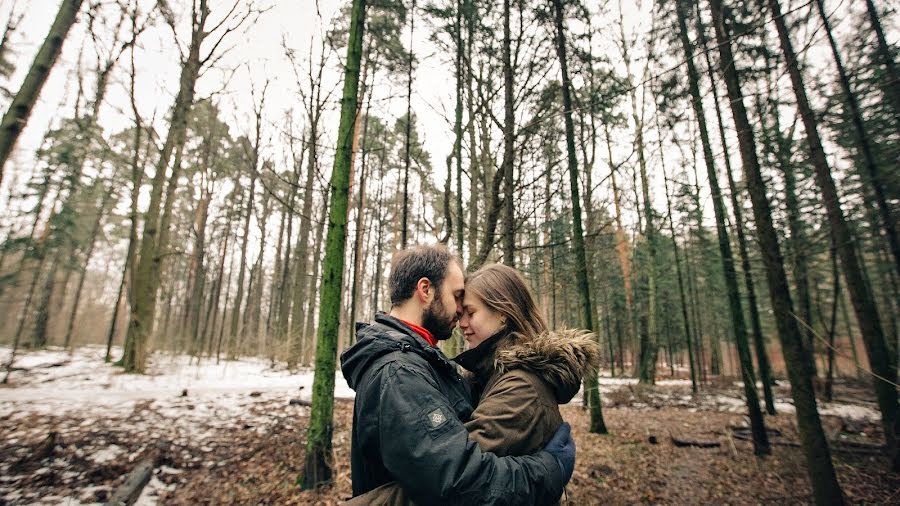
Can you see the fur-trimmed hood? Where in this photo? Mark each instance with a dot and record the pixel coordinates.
(561, 357)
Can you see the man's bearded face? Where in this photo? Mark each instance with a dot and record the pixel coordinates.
(438, 320)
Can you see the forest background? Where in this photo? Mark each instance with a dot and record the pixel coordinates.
(710, 187)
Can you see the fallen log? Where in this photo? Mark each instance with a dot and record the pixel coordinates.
(137, 479)
(836, 446)
(299, 402)
(683, 443)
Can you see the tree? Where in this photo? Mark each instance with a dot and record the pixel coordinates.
(318, 465)
(762, 358)
(590, 383)
(851, 103)
(760, 439)
(155, 236)
(16, 117)
(880, 356)
(509, 139)
(818, 457)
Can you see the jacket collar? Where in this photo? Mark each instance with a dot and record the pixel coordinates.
(413, 341)
(480, 359)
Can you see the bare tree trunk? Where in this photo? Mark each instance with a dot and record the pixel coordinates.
(762, 357)
(509, 139)
(591, 387)
(404, 220)
(235, 334)
(860, 293)
(818, 457)
(318, 467)
(16, 117)
(684, 303)
(107, 196)
(760, 438)
(155, 234)
(308, 343)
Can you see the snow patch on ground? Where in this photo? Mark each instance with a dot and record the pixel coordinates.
(56, 381)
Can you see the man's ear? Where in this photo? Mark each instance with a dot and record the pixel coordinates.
(424, 289)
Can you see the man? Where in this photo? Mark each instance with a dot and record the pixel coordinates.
(411, 402)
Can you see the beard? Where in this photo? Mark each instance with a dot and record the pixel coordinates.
(436, 320)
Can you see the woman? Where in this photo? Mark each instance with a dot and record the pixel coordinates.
(519, 370)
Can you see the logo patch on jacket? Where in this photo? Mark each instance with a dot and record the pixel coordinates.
(436, 418)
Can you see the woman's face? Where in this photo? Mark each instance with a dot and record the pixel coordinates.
(478, 322)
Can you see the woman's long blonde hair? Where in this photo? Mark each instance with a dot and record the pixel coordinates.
(503, 290)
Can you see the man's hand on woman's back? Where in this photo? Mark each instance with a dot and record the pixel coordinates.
(562, 446)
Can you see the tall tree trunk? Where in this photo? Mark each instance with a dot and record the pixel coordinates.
(648, 339)
(587, 312)
(404, 220)
(873, 171)
(16, 117)
(798, 243)
(509, 211)
(860, 293)
(318, 466)
(92, 240)
(358, 239)
(832, 328)
(762, 357)
(308, 343)
(154, 236)
(235, 333)
(818, 457)
(301, 296)
(684, 303)
(760, 438)
(458, 130)
(283, 328)
(137, 177)
(622, 252)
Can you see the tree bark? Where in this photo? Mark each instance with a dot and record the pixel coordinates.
(87, 260)
(404, 220)
(762, 357)
(860, 293)
(154, 236)
(16, 117)
(591, 386)
(509, 211)
(318, 466)
(818, 457)
(760, 439)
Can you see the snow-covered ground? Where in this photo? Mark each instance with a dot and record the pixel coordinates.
(55, 381)
(188, 404)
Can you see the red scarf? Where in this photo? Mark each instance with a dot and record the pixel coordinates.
(422, 332)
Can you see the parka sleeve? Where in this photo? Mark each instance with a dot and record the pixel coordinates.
(508, 418)
(427, 449)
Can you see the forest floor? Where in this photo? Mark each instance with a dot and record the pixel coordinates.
(228, 434)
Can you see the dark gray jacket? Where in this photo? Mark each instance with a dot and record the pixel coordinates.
(408, 426)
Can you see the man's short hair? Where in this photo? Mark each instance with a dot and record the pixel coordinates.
(410, 265)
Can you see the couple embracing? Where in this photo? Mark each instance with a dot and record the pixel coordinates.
(425, 434)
